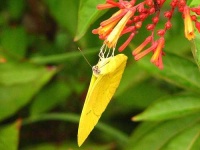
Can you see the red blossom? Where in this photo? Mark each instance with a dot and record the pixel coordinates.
(130, 17)
(158, 52)
(189, 29)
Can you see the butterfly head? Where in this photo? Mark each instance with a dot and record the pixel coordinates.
(100, 67)
(96, 70)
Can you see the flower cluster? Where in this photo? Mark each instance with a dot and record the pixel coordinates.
(129, 19)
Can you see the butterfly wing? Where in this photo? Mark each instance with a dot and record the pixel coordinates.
(86, 123)
(92, 82)
(106, 86)
(99, 95)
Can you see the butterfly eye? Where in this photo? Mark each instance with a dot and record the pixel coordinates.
(96, 70)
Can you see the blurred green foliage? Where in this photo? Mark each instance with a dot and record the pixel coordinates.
(44, 81)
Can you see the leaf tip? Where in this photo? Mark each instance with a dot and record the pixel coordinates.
(76, 38)
(134, 118)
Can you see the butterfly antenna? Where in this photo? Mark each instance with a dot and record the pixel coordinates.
(85, 57)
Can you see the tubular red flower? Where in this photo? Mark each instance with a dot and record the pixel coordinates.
(116, 17)
(189, 29)
(123, 46)
(157, 56)
(128, 29)
(145, 52)
(129, 19)
(104, 6)
(141, 46)
(105, 30)
(113, 37)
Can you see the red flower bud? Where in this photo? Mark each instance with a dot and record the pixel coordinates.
(141, 8)
(193, 17)
(168, 25)
(197, 25)
(182, 2)
(138, 24)
(149, 3)
(161, 32)
(168, 14)
(150, 27)
(196, 10)
(136, 18)
(151, 10)
(155, 20)
(143, 16)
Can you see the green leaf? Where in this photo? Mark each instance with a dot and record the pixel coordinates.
(16, 94)
(14, 41)
(196, 144)
(134, 89)
(49, 97)
(18, 73)
(159, 134)
(140, 96)
(196, 48)
(108, 130)
(87, 14)
(193, 2)
(141, 131)
(16, 8)
(65, 13)
(9, 136)
(170, 107)
(128, 81)
(59, 58)
(185, 140)
(177, 70)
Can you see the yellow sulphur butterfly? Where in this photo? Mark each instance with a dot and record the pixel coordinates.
(104, 82)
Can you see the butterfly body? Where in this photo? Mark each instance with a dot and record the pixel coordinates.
(104, 82)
